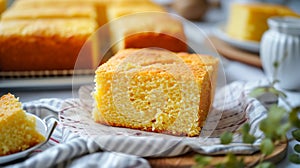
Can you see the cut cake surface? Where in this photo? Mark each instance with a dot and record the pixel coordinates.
(249, 21)
(155, 90)
(17, 131)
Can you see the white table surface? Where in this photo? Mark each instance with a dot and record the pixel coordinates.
(235, 71)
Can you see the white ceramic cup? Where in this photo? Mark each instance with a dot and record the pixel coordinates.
(280, 51)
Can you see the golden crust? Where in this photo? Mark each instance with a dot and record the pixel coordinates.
(2, 6)
(47, 44)
(83, 11)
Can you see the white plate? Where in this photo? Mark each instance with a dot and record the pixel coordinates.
(251, 46)
(42, 128)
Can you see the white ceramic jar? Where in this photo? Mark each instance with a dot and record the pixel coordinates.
(280, 51)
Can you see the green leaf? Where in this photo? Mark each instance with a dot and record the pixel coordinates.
(283, 129)
(220, 165)
(265, 165)
(276, 113)
(293, 117)
(232, 161)
(276, 64)
(267, 146)
(267, 128)
(274, 119)
(297, 148)
(294, 158)
(245, 128)
(248, 138)
(277, 92)
(296, 134)
(226, 138)
(202, 160)
(257, 92)
(275, 81)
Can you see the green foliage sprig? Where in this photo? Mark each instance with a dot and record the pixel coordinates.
(278, 122)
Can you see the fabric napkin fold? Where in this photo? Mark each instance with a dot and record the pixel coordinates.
(69, 149)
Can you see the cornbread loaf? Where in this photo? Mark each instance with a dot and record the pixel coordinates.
(2, 6)
(17, 131)
(44, 44)
(155, 90)
(149, 29)
(54, 12)
(100, 5)
(249, 21)
(33, 30)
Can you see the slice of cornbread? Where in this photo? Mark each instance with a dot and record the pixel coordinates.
(142, 31)
(249, 21)
(2, 6)
(45, 44)
(17, 131)
(149, 29)
(155, 90)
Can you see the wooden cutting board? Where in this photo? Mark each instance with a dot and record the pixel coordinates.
(234, 53)
(188, 159)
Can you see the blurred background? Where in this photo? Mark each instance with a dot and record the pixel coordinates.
(222, 4)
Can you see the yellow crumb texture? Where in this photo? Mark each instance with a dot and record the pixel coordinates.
(249, 21)
(18, 131)
(155, 90)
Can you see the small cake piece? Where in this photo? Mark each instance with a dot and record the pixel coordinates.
(149, 29)
(155, 90)
(18, 130)
(249, 21)
(51, 12)
(2, 6)
(45, 44)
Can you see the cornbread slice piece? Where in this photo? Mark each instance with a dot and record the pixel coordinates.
(17, 131)
(2, 6)
(45, 44)
(249, 21)
(83, 11)
(155, 90)
(150, 29)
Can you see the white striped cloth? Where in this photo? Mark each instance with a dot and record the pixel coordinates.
(114, 149)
